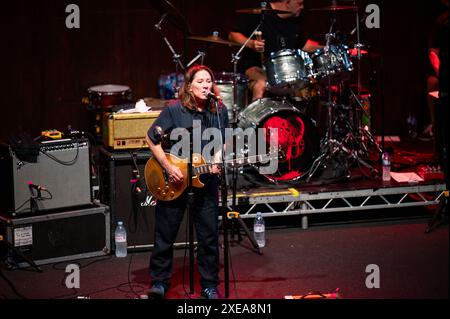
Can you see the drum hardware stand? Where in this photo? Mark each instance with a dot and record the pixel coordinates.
(331, 147)
(363, 132)
(350, 141)
(201, 55)
(176, 56)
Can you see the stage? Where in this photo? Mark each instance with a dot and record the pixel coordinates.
(320, 236)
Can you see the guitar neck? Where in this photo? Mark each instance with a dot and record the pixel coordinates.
(205, 168)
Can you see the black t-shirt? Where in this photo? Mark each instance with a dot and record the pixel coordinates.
(278, 33)
(177, 116)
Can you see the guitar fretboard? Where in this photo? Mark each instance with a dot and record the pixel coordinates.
(203, 169)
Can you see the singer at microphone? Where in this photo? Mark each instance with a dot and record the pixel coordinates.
(195, 108)
(212, 96)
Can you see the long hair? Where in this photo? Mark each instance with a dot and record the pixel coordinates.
(187, 97)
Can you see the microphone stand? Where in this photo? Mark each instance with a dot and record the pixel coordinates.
(190, 210)
(224, 213)
(176, 56)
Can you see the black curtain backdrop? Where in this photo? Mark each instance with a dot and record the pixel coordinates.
(47, 68)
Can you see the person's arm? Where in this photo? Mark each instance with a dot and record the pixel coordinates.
(157, 151)
(311, 46)
(254, 45)
(433, 55)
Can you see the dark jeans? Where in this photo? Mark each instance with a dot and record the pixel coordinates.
(168, 218)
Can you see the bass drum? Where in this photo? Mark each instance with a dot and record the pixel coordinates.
(298, 138)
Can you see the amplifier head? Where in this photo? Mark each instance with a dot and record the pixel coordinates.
(127, 131)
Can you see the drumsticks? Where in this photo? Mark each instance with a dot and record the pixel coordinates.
(258, 35)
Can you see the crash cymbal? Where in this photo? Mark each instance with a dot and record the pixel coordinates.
(213, 39)
(335, 8)
(260, 10)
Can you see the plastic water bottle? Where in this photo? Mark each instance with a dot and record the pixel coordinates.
(120, 236)
(386, 165)
(259, 230)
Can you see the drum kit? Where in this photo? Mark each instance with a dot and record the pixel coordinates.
(294, 77)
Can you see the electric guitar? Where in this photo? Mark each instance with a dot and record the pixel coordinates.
(159, 184)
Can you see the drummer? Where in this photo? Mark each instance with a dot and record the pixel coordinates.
(279, 31)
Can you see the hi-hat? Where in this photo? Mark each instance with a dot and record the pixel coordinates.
(335, 8)
(213, 39)
(261, 10)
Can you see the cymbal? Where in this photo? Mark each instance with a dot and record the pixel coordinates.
(335, 8)
(260, 11)
(213, 39)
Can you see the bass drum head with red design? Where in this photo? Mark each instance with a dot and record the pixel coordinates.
(298, 139)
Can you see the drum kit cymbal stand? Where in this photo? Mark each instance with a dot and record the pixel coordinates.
(352, 146)
(175, 55)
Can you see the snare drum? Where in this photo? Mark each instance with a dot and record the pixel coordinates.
(104, 97)
(224, 81)
(288, 70)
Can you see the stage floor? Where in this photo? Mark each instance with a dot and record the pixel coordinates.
(358, 191)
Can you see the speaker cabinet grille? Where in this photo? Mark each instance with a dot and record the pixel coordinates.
(62, 169)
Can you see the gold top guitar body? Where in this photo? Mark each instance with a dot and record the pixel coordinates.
(158, 182)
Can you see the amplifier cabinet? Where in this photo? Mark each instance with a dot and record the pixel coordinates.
(51, 238)
(62, 172)
(123, 131)
(122, 187)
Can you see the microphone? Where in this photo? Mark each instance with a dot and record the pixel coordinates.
(211, 96)
(36, 187)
